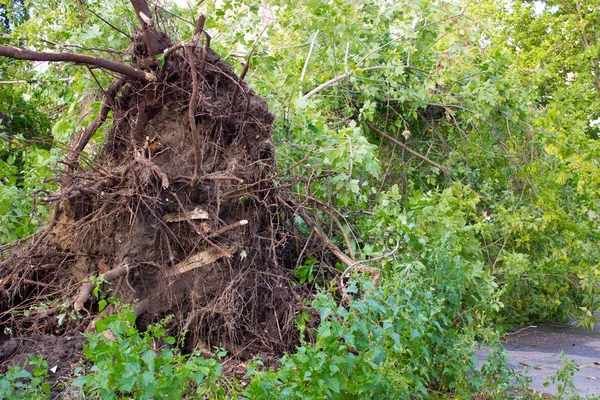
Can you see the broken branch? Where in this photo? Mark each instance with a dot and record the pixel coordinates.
(227, 228)
(350, 263)
(88, 287)
(145, 17)
(200, 259)
(245, 70)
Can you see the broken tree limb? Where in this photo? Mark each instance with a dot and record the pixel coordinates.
(228, 228)
(196, 213)
(414, 153)
(123, 69)
(199, 29)
(88, 287)
(350, 263)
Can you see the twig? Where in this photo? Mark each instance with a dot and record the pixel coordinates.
(337, 222)
(520, 330)
(33, 81)
(350, 263)
(87, 133)
(245, 70)
(395, 249)
(96, 80)
(221, 178)
(32, 282)
(173, 14)
(414, 153)
(310, 50)
(325, 207)
(111, 25)
(338, 78)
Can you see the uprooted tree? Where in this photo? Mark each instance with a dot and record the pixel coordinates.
(179, 211)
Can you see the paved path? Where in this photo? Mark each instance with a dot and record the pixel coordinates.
(537, 350)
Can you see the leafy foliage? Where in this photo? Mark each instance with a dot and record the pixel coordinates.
(131, 364)
(19, 383)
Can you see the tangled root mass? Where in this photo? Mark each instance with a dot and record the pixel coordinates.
(178, 211)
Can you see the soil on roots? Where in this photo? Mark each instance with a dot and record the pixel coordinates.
(179, 209)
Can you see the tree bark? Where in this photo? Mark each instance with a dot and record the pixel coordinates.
(150, 34)
(20, 54)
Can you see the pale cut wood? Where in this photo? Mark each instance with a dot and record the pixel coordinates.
(200, 259)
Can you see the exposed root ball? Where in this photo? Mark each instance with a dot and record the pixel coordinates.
(181, 202)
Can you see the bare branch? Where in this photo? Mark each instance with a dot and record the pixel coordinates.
(20, 54)
(414, 153)
(111, 25)
(87, 133)
(335, 80)
(245, 70)
(341, 256)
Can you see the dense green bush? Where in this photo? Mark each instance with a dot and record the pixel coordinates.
(128, 364)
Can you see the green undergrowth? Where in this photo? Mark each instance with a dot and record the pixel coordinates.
(412, 335)
(376, 347)
(360, 351)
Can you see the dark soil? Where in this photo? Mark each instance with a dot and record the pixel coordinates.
(62, 352)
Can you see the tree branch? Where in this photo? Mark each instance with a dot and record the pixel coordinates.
(20, 54)
(414, 153)
(245, 70)
(87, 133)
(340, 255)
(338, 78)
(145, 17)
